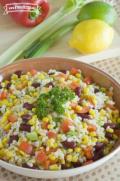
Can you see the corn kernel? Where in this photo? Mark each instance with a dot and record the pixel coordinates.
(86, 91)
(33, 120)
(41, 77)
(4, 141)
(45, 119)
(102, 112)
(50, 126)
(92, 134)
(9, 154)
(54, 167)
(34, 110)
(52, 157)
(73, 116)
(78, 75)
(74, 158)
(78, 149)
(51, 143)
(49, 117)
(61, 80)
(70, 150)
(55, 145)
(2, 153)
(69, 158)
(67, 115)
(78, 108)
(84, 125)
(85, 140)
(7, 127)
(1, 145)
(109, 130)
(21, 153)
(92, 113)
(94, 140)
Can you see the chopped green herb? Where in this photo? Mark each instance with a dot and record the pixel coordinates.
(53, 101)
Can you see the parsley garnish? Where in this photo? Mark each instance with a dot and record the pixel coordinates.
(53, 101)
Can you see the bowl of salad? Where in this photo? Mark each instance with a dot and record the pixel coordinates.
(58, 117)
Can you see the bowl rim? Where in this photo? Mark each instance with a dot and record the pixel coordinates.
(95, 163)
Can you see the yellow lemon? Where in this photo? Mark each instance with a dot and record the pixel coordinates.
(91, 36)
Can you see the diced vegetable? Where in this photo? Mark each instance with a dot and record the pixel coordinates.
(26, 147)
(41, 157)
(88, 152)
(12, 118)
(65, 126)
(52, 134)
(91, 127)
(32, 136)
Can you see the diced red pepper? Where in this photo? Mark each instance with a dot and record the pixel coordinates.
(3, 95)
(74, 85)
(91, 127)
(52, 134)
(65, 125)
(88, 151)
(74, 71)
(26, 147)
(32, 17)
(33, 72)
(12, 118)
(41, 156)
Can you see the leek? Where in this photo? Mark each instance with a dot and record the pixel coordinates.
(41, 47)
(17, 49)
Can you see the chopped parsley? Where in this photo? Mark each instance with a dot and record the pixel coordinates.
(53, 101)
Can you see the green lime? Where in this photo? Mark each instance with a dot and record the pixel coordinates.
(98, 10)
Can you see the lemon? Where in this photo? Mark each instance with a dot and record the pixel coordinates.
(91, 36)
(98, 10)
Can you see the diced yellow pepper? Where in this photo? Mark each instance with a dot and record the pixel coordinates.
(54, 167)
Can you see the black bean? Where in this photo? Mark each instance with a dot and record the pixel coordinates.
(78, 91)
(64, 167)
(18, 73)
(109, 135)
(26, 117)
(98, 155)
(77, 164)
(25, 127)
(25, 165)
(111, 125)
(50, 84)
(12, 138)
(28, 106)
(96, 90)
(36, 85)
(69, 144)
(84, 115)
(8, 85)
(99, 146)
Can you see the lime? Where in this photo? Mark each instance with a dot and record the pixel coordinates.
(91, 36)
(98, 10)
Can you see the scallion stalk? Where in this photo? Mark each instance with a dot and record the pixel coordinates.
(42, 46)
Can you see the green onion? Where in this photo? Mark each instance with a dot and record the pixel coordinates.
(41, 47)
(39, 31)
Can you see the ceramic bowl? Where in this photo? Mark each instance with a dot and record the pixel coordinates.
(97, 75)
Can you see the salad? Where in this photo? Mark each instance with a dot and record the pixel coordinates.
(55, 120)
